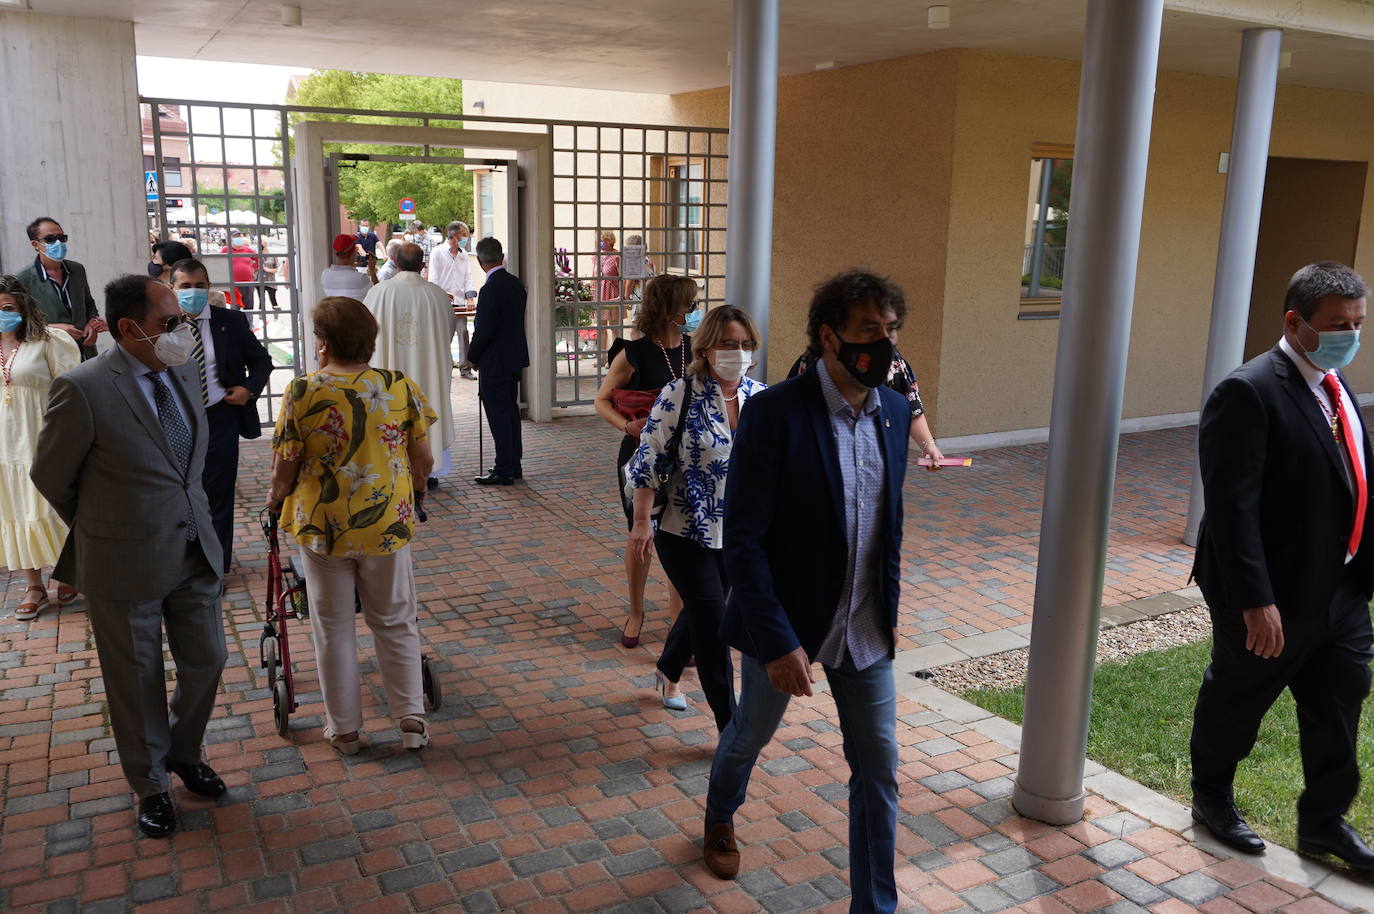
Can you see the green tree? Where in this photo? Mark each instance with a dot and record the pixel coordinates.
(372, 191)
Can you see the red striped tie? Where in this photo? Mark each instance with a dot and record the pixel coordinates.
(1347, 434)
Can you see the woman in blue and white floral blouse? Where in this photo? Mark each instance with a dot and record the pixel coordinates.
(689, 537)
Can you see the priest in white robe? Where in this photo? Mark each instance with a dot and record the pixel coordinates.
(414, 324)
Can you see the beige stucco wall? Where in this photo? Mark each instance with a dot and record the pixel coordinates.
(860, 182)
(997, 372)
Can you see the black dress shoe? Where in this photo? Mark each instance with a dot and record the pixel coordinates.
(432, 483)
(491, 479)
(199, 778)
(156, 817)
(1224, 821)
(1339, 840)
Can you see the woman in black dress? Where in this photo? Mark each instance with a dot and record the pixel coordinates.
(646, 364)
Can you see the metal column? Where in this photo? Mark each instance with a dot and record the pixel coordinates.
(1120, 57)
(753, 139)
(1240, 223)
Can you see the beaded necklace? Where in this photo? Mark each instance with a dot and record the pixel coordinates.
(6, 364)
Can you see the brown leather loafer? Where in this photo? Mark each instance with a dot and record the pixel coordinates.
(720, 851)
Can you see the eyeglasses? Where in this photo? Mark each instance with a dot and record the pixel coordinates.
(735, 345)
(172, 323)
(53, 239)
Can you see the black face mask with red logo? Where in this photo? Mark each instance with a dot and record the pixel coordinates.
(867, 363)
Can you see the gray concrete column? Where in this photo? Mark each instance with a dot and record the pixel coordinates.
(753, 140)
(69, 142)
(1240, 223)
(1116, 98)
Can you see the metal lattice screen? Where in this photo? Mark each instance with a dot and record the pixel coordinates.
(217, 181)
(664, 185)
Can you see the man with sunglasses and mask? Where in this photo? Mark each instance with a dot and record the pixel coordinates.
(120, 458)
(60, 286)
(812, 552)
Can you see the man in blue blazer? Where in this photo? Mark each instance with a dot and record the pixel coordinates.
(233, 367)
(813, 535)
(500, 352)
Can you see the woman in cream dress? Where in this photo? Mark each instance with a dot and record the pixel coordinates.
(31, 533)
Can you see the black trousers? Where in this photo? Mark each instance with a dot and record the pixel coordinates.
(1325, 663)
(699, 576)
(500, 398)
(221, 473)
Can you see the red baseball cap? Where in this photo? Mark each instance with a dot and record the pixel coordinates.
(343, 243)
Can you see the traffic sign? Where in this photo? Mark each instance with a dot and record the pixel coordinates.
(407, 206)
(150, 184)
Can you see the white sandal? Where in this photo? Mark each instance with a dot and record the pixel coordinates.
(345, 746)
(414, 741)
(29, 609)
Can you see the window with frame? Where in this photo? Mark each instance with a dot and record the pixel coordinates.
(1046, 230)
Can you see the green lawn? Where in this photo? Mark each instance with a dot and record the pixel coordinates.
(1141, 719)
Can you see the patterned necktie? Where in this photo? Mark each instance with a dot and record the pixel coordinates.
(178, 436)
(1346, 435)
(199, 353)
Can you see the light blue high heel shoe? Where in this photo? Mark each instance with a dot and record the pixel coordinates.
(673, 702)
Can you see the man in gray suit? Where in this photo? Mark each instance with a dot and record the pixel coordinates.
(120, 458)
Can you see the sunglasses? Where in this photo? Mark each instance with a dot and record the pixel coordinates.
(53, 239)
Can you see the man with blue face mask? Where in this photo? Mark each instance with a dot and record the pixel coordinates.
(60, 285)
(232, 367)
(1285, 560)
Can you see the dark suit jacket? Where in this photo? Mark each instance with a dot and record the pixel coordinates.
(785, 540)
(1278, 508)
(241, 361)
(498, 341)
(50, 302)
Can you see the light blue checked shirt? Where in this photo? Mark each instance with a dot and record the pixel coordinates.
(859, 628)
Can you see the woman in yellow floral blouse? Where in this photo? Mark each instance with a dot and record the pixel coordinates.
(351, 450)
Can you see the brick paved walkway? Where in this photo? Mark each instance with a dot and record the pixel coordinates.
(556, 782)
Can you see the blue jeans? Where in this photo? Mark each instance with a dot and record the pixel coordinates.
(867, 703)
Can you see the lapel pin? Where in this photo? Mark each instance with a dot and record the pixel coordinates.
(887, 423)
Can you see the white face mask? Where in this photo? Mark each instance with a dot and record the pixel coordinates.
(172, 348)
(731, 364)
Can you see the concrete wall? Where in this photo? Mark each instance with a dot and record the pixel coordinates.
(560, 103)
(70, 141)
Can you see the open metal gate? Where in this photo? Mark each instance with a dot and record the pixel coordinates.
(218, 178)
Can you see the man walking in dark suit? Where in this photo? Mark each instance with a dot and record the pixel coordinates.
(813, 535)
(120, 457)
(499, 351)
(232, 368)
(1285, 560)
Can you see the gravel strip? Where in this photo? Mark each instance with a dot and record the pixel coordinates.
(1008, 669)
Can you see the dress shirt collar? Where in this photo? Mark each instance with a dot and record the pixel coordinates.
(494, 269)
(1312, 375)
(835, 401)
(43, 271)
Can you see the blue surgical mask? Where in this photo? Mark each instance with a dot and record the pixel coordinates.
(10, 321)
(693, 321)
(56, 250)
(193, 301)
(1335, 348)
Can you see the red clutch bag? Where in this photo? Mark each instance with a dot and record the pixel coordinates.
(633, 404)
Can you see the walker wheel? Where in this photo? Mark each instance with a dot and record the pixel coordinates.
(271, 659)
(434, 695)
(281, 707)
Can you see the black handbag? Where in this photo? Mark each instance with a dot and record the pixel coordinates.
(667, 464)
